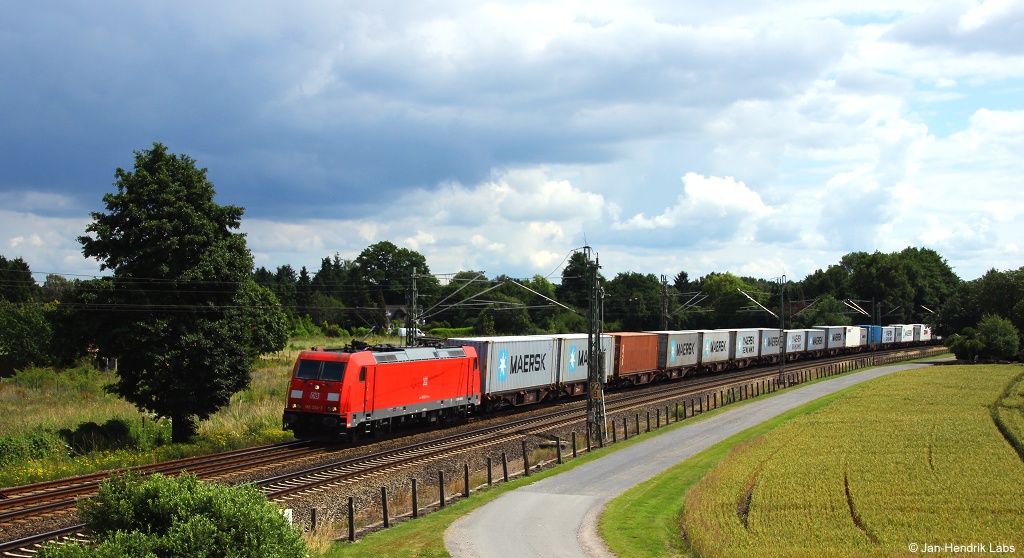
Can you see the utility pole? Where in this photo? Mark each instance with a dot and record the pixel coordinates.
(782, 329)
(410, 316)
(664, 303)
(874, 346)
(595, 356)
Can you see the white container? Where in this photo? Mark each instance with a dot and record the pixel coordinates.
(771, 342)
(572, 364)
(908, 333)
(678, 349)
(922, 332)
(841, 337)
(888, 334)
(715, 345)
(796, 341)
(745, 343)
(513, 363)
(815, 340)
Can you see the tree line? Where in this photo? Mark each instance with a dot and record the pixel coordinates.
(186, 312)
(902, 287)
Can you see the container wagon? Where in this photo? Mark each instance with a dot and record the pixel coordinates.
(771, 345)
(572, 364)
(716, 350)
(795, 343)
(637, 358)
(678, 352)
(815, 342)
(922, 333)
(840, 339)
(744, 346)
(514, 370)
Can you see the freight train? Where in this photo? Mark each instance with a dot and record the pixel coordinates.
(346, 393)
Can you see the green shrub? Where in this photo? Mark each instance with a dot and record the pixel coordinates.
(333, 330)
(360, 332)
(80, 380)
(304, 327)
(1000, 337)
(449, 332)
(17, 448)
(167, 516)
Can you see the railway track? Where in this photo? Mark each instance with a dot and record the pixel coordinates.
(23, 504)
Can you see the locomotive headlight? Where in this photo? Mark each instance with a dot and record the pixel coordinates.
(296, 405)
(332, 409)
(316, 386)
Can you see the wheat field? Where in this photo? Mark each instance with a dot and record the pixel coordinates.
(909, 464)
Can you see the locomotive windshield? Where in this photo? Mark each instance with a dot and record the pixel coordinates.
(332, 371)
(327, 370)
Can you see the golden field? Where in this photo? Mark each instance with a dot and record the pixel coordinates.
(908, 464)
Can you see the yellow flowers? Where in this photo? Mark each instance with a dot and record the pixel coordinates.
(911, 459)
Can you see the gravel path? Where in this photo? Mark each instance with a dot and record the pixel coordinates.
(557, 516)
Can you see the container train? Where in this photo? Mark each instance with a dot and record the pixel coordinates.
(346, 393)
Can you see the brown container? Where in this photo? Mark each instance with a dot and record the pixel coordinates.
(635, 353)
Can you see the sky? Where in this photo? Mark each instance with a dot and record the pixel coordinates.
(754, 137)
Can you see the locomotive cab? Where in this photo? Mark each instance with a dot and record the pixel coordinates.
(314, 399)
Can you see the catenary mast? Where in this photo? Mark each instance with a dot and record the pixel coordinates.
(595, 357)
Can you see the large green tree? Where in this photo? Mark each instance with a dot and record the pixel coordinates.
(383, 276)
(189, 318)
(997, 292)
(826, 310)
(574, 290)
(729, 307)
(387, 271)
(25, 331)
(634, 302)
(16, 283)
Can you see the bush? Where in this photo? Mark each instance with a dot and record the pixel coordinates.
(999, 336)
(360, 332)
(333, 331)
(80, 380)
(449, 332)
(965, 345)
(304, 327)
(166, 516)
(994, 336)
(33, 445)
(115, 434)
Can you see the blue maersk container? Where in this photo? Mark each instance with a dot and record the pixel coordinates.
(874, 334)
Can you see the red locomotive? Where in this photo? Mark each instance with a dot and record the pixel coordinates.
(344, 393)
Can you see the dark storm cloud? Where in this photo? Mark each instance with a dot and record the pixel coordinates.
(346, 107)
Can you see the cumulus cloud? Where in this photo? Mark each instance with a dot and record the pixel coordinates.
(988, 26)
(855, 211)
(500, 136)
(712, 209)
(35, 202)
(48, 244)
